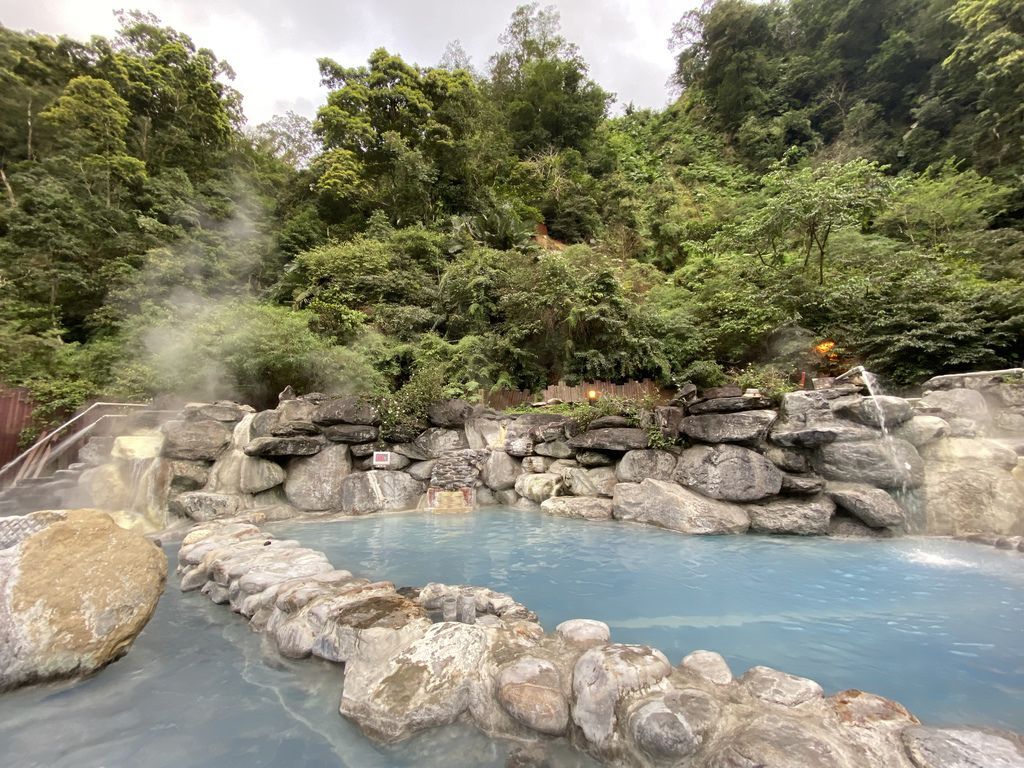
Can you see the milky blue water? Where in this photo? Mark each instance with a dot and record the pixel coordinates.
(936, 624)
(933, 623)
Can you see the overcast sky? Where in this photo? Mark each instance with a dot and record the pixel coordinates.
(273, 46)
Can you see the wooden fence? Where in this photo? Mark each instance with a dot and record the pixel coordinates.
(15, 415)
(508, 398)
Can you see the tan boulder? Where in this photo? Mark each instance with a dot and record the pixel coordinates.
(75, 592)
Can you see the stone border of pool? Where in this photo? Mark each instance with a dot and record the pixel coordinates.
(408, 669)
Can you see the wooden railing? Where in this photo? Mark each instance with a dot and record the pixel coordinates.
(59, 448)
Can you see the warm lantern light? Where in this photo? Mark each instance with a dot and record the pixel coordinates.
(592, 395)
(824, 348)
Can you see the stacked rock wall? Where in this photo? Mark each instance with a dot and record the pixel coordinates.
(834, 461)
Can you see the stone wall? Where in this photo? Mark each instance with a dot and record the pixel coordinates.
(834, 461)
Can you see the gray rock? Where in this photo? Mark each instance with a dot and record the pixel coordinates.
(610, 422)
(202, 507)
(874, 411)
(775, 741)
(960, 500)
(583, 507)
(709, 666)
(556, 449)
(807, 421)
(892, 463)
(435, 441)
(729, 405)
(922, 429)
(965, 428)
(841, 526)
(728, 472)
(458, 469)
(1009, 422)
(594, 459)
(969, 453)
(957, 403)
(599, 481)
(428, 684)
(486, 432)
(532, 428)
(536, 464)
(614, 439)
(537, 488)
(202, 440)
(583, 633)
(872, 506)
(649, 463)
(740, 427)
(530, 690)
(673, 724)
(314, 482)
(377, 490)
(258, 475)
(350, 433)
(421, 470)
(803, 517)
(667, 419)
(788, 459)
(602, 676)
(670, 506)
(285, 446)
(485, 497)
(562, 466)
(362, 450)
(802, 484)
(961, 748)
(187, 475)
(345, 410)
(777, 687)
(449, 413)
(223, 410)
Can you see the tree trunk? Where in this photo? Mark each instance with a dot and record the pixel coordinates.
(28, 140)
(7, 186)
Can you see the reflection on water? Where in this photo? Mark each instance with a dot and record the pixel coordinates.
(935, 624)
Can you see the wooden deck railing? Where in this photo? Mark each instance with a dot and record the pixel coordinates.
(58, 448)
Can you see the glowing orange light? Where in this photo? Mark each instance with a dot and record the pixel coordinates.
(592, 395)
(824, 348)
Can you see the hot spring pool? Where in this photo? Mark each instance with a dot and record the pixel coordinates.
(935, 624)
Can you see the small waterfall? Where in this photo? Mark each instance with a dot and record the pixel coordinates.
(143, 474)
(907, 497)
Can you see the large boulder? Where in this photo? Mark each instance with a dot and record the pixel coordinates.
(731, 403)
(890, 463)
(531, 428)
(872, 506)
(303, 445)
(728, 472)
(428, 684)
(599, 481)
(345, 410)
(203, 506)
(530, 690)
(739, 427)
(351, 433)
(956, 404)
(672, 725)
(620, 439)
(314, 482)
(450, 414)
(807, 421)
(962, 747)
(584, 507)
(922, 429)
(602, 676)
(201, 440)
(874, 411)
(435, 441)
(538, 487)
(670, 506)
(365, 492)
(802, 517)
(958, 500)
(648, 463)
(500, 471)
(75, 592)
